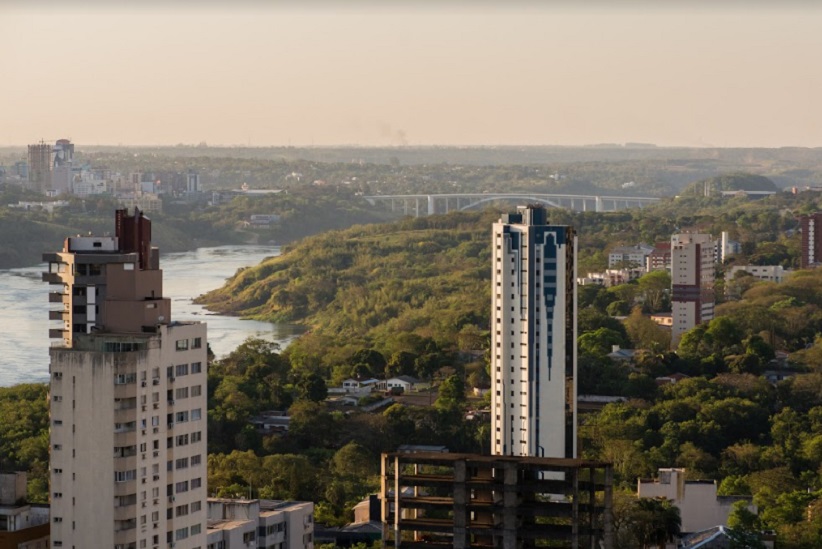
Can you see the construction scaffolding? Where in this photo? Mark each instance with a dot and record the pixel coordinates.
(467, 500)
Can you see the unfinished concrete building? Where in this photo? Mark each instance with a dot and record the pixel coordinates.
(469, 500)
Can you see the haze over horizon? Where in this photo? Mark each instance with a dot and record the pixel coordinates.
(687, 74)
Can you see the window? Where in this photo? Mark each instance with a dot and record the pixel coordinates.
(196, 483)
(181, 487)
(182, 345)
(57, 375)
(196, 460)
(182, 533)
(181, 417)
(182, 463)
(181, 393)
(122, 379)
(196, 414)
(181, 370)
(195, 529)
(196, 367)
(196, 343)
(123, 476)
(196, 506)
(196, 436)
(196, 390)
(182, 440)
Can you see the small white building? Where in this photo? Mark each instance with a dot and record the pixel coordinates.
(769, 273)
(406, 383)
(239, 524)
(699, 506)
(629, 255)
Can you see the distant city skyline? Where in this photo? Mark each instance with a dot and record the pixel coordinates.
(695, 73)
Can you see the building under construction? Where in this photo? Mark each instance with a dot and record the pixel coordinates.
(469, 500)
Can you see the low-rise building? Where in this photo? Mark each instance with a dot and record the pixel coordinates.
(660, 258)
(624, 256)
(22, 525)
(404, 383)
(699, 505)
(769, 273)
(240, 524)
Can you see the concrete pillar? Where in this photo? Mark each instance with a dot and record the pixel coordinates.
(431, 206)
(574, 507)
(509, 506)
(386, 501)
(598, 202)
(397, 508)
(461, 499)
(607, 512)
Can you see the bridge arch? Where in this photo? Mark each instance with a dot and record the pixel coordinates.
(509, 198)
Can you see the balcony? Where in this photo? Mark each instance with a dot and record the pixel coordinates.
(53, 278)
(58, 297)
(58, 315)
(57, 333)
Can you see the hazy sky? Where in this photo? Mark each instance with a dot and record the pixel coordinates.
(390, 73)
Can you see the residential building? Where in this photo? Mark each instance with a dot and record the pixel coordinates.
(811, 226)
(629, 256)
(768, 273)
(611, 277)
(699, 506)
(725, 248)
(660, 258)
(39, 168)
(128, 398)
(495, 501)
(22, 525)
(692, 281)
(533, 336)
(405, 384)
(265, 523)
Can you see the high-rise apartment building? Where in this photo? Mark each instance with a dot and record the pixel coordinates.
(39, 156)
(128, 399)
(811, 226)
(692, 280)
(533, 336)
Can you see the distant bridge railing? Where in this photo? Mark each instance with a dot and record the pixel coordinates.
(430, 204)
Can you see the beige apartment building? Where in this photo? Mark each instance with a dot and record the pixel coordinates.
(128, 399)
(692, 281)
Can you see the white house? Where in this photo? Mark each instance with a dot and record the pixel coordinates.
(359, 386)
(699, 506)
(406, 383)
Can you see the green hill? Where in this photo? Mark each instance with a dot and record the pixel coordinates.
(739, 181)
(426, 276)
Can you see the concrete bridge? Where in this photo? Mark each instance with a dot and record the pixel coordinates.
(430, 204)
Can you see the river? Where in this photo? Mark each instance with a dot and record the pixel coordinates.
(24, 308)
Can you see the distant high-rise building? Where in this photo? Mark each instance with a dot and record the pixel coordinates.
(533, 335)
(128, 399)
(39, 169)
(811, 226)
(692, 281)
(62, 174)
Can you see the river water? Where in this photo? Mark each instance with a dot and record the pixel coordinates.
(24, 307)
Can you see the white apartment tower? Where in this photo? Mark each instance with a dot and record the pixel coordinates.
(692, 281)
(128, 399)
(533, 336)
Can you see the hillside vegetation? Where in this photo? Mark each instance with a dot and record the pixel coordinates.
(428, 276)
